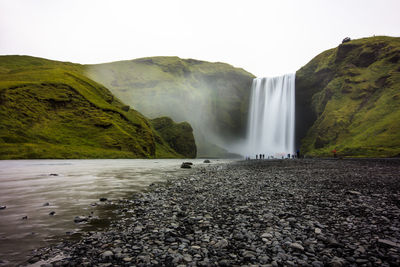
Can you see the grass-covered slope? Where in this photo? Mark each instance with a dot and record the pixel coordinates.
(179, 136)
(212, 97)
(49, 109)
(348, 98)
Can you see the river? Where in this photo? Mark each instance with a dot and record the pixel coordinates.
(35, 188)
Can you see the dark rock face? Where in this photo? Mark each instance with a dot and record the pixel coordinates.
(273, 212)
(179, 136)
(344, 95)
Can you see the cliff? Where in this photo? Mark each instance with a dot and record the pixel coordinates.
(348, 99)
(50, 109)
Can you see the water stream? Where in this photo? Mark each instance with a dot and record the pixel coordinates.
(70, 187)
(272, 116)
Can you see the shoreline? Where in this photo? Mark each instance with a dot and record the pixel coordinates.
(308, 212)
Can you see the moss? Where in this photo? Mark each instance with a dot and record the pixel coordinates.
(349, 94)
(49, 109)
(212, 97)
(179, 136)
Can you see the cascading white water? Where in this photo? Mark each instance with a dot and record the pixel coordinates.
(271, 116)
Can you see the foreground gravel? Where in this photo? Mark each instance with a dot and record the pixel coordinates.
(266, 212)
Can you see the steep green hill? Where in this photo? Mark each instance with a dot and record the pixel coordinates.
(50, 109)
(212, 97)
(348, 98)
(179, 136)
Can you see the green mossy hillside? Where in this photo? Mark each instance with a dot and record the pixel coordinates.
(348, 98)
(212, 97)
(179, 136)
(50, 109)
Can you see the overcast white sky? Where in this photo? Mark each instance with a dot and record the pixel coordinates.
(264, 37)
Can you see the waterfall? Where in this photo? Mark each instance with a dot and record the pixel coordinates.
(271, 116)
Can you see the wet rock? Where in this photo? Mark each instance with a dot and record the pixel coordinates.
(79, 219)
(184, 165)
(221, 244)
(272, 213)
(296, 246)
(385, 242)
(107, 255)
(352, 192)
(51, 213)
(2, 207)
(207, 161)
(25, 218)
(46, 204)
(53, 174)
(337, 262)
(103, 199)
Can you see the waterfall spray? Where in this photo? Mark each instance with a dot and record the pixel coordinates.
(271, 116)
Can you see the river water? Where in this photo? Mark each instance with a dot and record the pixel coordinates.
(71, 188)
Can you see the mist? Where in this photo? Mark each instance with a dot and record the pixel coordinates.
(212, 97)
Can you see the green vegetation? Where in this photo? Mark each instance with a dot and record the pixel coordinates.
(179, 136)
(349, 99)
(212, 97)
(50, 109)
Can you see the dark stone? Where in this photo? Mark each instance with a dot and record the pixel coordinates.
(207, 161)
(346, 40)
(52, 213)
(3, 207)
(53, 174)
(79, 219)
(103, 199)
(25, 218)
(185, 166)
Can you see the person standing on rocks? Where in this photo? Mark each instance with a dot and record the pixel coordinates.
(334, 153)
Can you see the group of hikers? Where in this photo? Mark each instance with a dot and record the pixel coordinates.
(262, 156)
(288, 156)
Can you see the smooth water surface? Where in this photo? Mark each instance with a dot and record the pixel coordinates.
(71, 187)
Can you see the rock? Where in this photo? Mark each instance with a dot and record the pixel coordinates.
(187, 258)
(221, 244)
(188, 163)
(266, 235)
(25, 218)
(337, 262)
(79, 219)
(352, 192)
(138, 229)
(2, 207)
(296, 246)
(103, 199)
(317, 231)
(346, 40)
(127, 259)
(249, 255)
(46, 204)
(207, 161)
(34, 259)
(53, 174)
(185, 166)
(51, 213)
(388, 243)
(317, 264)
(107, 255)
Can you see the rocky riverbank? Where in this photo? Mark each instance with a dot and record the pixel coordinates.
(271, 212)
